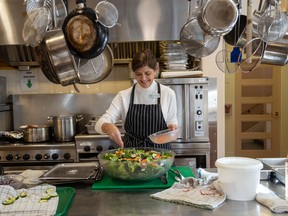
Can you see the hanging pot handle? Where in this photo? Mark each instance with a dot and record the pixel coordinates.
(50, 118)
(79, 118)
(76, 88)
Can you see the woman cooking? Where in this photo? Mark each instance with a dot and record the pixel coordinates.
(145, 108)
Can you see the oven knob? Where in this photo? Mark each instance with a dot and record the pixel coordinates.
(55, 156)
(26, 157)
(46, 156)
(87, 148)
(67, 156)
(17, 156)
(38, 156)
(99, 148)
(111, 147)
(9, 157)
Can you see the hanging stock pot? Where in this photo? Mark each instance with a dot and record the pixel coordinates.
(86, 38)
(64, 126)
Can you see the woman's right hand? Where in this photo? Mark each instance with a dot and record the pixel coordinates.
(113, 133)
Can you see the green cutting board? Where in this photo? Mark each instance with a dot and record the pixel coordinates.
(108, 183)
(66, 195)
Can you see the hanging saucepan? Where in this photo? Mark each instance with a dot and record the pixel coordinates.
(275, 54)
(218, 17)
(45, 63)
(86, 38)
(63, 62)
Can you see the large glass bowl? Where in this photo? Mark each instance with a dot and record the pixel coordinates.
(139, 167)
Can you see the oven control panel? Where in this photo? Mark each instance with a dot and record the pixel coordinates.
(89, 146)
(37, 153)
(200, 112)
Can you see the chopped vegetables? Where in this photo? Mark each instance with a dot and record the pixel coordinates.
(136, 163)
(49, 193)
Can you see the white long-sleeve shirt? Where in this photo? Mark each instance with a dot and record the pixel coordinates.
(120, 104)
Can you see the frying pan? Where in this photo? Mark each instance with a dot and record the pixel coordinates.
(233, 36)
(86, 38)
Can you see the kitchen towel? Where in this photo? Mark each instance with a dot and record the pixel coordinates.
(269, 199)
(29, 205)
(32, 177)
(185, 192)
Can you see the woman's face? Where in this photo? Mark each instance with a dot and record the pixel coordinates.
(145, 76)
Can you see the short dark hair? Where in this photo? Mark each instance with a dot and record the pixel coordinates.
(144, 58)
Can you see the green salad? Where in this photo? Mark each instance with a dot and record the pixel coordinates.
(136, 163)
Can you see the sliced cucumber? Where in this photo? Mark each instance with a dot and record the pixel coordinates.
(8, 202)
(23, 194)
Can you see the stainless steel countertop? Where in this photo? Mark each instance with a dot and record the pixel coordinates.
(138, 202)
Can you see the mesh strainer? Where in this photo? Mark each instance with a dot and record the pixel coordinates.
(96, 69)
(252, 61)
(224, 63)
(106, 13)
(33, 4)
(272, 25)
(35, 26)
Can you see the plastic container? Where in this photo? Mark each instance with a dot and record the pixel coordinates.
(239, 177)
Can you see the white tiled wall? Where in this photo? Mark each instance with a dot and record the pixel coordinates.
(117, 80)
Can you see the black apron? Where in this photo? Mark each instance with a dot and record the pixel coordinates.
(143, 120)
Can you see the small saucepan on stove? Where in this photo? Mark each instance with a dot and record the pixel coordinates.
(31, 133)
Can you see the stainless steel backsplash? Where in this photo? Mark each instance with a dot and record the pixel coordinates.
(31, 109)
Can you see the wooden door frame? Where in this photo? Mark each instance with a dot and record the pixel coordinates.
(275, 100)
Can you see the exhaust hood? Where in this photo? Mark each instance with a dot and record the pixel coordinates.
(140, 21)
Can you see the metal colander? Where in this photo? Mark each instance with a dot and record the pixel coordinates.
(107, 14)
(96, 69)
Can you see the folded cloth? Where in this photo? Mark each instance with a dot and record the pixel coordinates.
(29, 205)
(207, 196)
(32, 177)
(269, 199)
(207, 177)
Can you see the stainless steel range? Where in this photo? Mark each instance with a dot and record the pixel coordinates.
(90, 143)
(36, 154)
